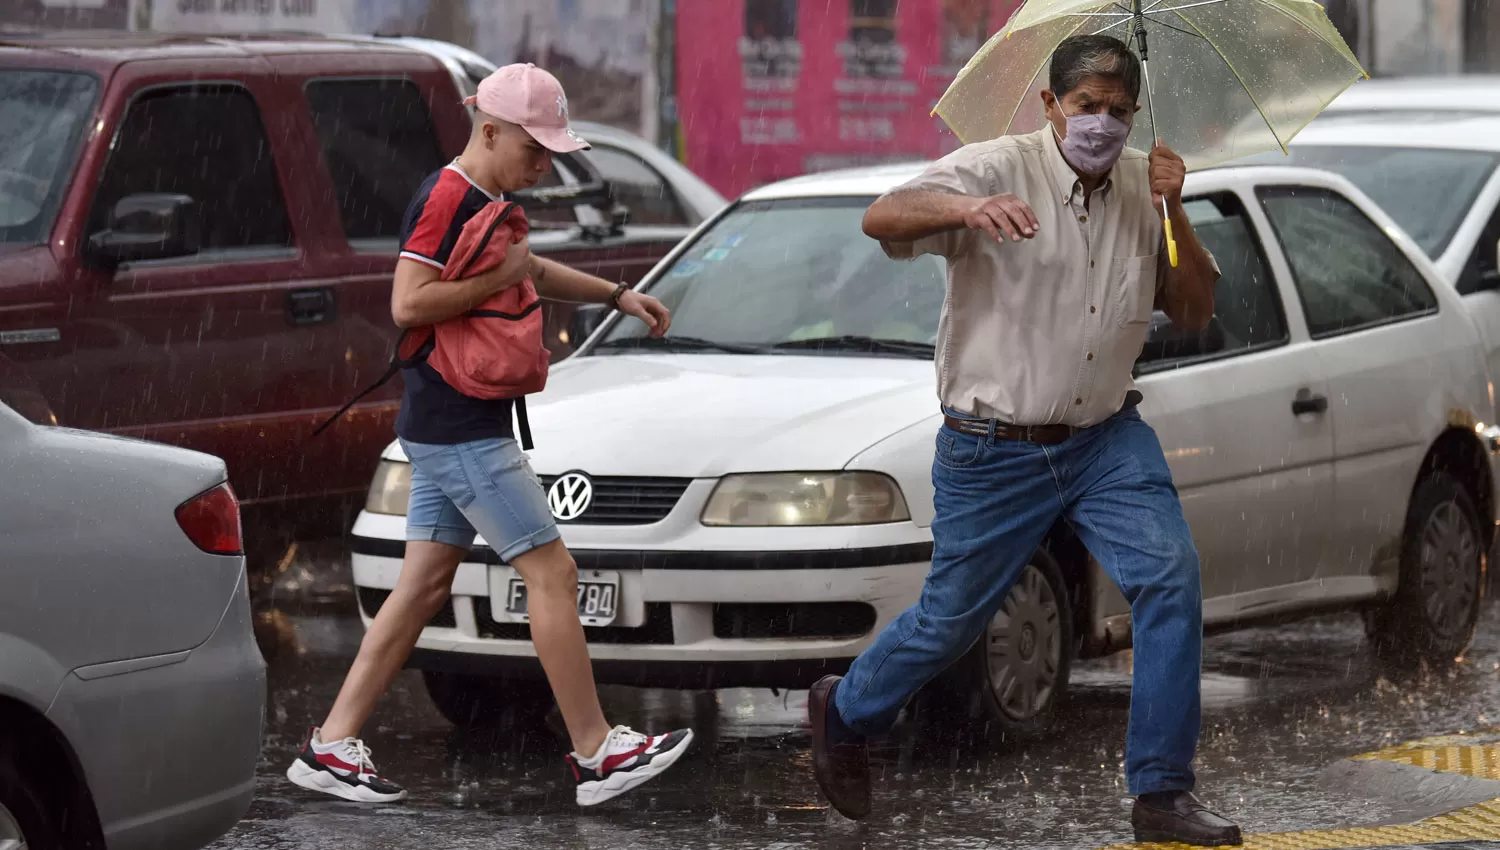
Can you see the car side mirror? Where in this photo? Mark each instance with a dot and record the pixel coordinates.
(1166, 341)
(619, 216)
(585, 320)
(147, 226)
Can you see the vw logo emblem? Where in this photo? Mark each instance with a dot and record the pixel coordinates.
(570, 496)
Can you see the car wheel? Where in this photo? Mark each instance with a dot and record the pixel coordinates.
(1016, 675)
(1437, 601)
(484, 702)
(26, 821)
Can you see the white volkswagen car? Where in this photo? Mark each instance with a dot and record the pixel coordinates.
(750, 499)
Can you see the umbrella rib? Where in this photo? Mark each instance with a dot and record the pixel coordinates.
(1155, 22)
(1161, 23)
(1237, 78)
(1316, 34)
(1113, 25)
(1180, 8)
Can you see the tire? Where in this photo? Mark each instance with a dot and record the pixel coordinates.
(25, 816)
(484, 702)
(1016, 676)
(1432, 617)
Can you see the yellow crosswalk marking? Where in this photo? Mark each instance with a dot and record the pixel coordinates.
(1448, 754)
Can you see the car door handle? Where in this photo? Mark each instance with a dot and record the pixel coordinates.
(309, 306)
(1307, 402)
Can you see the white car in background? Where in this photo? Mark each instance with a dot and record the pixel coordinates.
(656, 188)
(1439, 179)
(1417, 98)
(749, 500)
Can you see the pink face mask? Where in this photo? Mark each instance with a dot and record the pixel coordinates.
(1094, 142)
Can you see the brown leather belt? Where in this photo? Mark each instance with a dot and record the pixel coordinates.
(1047, 435)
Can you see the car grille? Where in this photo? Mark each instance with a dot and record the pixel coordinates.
(793, 620)
(657, 630)
(628, 501)
(371, 598)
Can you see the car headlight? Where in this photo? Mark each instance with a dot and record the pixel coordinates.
(802, 498)
(391, 488)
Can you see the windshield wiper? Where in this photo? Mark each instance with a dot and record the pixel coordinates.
(849, 342)
(672, 342)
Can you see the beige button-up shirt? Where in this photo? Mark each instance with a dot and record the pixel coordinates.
(1044, 331)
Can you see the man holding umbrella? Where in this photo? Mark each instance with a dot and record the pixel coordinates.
(1056, 258)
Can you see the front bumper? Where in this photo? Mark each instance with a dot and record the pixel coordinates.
(680, 610)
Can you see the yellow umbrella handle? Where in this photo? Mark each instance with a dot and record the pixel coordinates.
(1166, 222)
(1171, 243)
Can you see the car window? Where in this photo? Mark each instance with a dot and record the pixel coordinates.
(42, 115)
(379, 145)
(1245, 298)
(1428, 191)
(206, 142)
(1482, 271)
(775, 272)
(638, 186)
(1348, 273)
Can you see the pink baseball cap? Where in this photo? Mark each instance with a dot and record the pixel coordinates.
(534, 99)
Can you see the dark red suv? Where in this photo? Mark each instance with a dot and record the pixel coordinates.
(197, 237)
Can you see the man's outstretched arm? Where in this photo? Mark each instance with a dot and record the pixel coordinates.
(912, 214)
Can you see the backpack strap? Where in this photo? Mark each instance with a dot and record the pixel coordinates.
(524, 424)
(396, 365)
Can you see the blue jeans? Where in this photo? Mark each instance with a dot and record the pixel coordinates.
(996, 499)
(483, 485)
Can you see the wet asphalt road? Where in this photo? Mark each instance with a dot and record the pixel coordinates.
(1280, 705)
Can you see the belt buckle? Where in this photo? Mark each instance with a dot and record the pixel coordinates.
(1028, 433)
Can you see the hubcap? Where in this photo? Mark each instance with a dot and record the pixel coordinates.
(1024, 647)
(10, 831)
(1449, 581)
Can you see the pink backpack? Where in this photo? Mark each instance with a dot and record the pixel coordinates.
(495, 350)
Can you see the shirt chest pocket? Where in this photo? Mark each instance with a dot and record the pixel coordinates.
(1134, 282)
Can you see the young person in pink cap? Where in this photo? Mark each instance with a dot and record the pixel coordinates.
(468, 473)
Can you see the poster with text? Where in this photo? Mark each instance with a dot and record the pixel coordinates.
(769, 89)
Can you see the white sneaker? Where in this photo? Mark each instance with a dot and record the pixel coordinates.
(627, 759)
(343, 769)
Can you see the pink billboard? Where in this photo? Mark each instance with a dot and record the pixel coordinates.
(769, 89)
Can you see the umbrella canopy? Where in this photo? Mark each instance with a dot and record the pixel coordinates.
(1229, 78)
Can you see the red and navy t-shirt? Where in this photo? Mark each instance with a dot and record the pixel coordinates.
(431, 410)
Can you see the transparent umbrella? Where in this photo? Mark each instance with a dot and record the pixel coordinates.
(1232, 77)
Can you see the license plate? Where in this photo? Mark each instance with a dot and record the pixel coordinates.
(598, 598)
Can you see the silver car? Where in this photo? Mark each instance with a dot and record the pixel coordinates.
(132, 692)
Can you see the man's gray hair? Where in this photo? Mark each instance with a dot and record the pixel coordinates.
(1084, 56)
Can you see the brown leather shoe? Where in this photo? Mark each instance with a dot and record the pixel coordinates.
(1187, 821)
(843, 770)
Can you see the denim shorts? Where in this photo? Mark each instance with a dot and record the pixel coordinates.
(484, 487)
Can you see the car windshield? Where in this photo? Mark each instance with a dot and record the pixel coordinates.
(42, 115)
(1428, 191)
(794, 276)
